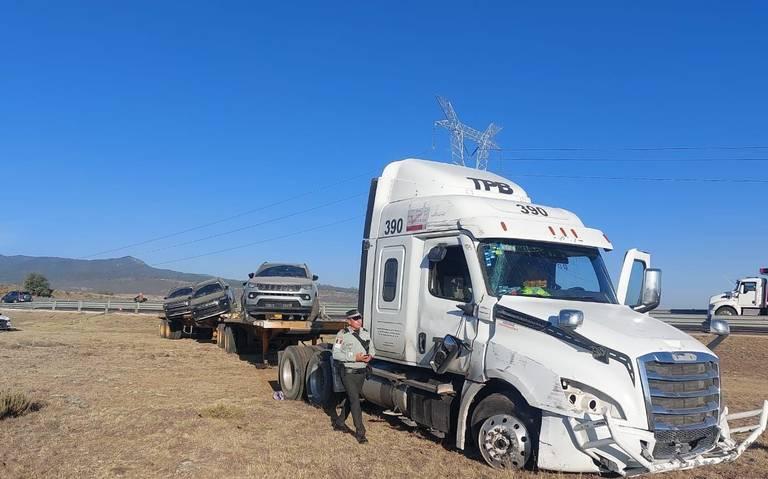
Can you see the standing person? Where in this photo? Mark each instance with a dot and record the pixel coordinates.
(353, 349)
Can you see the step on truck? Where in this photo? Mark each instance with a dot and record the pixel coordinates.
(496, 325)
(195, 310)
(748, 298)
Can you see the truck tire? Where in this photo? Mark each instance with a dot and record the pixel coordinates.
(230, 340)
(220, 335)
(163, 328)
(319, 380)
(291, 370)
(174, 330)
(505, 432)
(725, 311)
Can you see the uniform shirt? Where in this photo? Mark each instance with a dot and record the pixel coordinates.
(347, 346)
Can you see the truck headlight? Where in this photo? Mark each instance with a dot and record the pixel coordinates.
(589, 400)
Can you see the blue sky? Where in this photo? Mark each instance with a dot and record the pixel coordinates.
(125, 121)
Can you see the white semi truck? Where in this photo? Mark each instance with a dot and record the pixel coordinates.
(496, 323)
(748, 298)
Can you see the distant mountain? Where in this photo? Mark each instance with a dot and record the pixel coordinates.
(121, 275)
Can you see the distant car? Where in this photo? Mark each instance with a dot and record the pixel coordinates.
(281, 291)
(16, 297)
(5, 323)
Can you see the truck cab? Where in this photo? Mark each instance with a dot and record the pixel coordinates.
(494, 320)
(748, 298)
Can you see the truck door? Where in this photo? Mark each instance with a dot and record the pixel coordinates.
(748, 297)
(443, 285)
(388, 323)
(632, 275)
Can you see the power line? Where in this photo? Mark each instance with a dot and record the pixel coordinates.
(641, 160)
(222, 220)
(274, 238)
(271, 220)
(640, 178)
(636, 148)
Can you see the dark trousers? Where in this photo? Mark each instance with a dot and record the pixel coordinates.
(353, 382)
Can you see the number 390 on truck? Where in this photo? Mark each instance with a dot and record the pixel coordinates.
(496, 324)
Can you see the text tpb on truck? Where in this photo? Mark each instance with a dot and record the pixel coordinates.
(496, 323)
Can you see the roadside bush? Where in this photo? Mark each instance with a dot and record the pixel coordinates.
(38, 285)
(14, 404)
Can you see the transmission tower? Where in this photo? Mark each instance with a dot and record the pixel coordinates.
(459, 131)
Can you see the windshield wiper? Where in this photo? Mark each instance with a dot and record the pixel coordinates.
(593, 299)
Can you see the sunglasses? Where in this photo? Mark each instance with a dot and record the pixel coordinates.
(355, 318)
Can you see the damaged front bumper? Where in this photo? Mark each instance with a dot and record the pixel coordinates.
(609, 442)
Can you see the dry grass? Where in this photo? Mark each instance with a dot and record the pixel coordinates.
(121, 402)
(15, 404)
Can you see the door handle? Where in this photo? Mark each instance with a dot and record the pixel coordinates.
(422, 343)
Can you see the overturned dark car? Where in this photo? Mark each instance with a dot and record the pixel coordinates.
(195, 310)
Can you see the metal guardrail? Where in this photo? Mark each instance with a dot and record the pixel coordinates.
(692, 320)
(102, 306)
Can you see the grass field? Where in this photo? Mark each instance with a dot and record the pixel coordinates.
(118, 401)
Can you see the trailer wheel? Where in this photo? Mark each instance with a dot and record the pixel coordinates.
(505, 432)
(319, 380)
(725, 311)
(293, 364)
(220, 335)
(230, 339)
(164, 328)
(174, 330)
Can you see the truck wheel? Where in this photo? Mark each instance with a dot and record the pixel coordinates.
(174, 330)
(230, 340)
(293, 364)
(725, 311)
(220, 335)
(505, 432)
(163, 328)
(319, 381)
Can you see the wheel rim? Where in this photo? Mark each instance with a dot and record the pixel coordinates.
(287, 375)
(725, 312)
(504, 442)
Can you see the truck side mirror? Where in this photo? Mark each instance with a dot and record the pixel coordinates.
(470, 309)
(446, 350)
(568, 319)
(650, 296)
(251, 275)
(437, 253)
(720, 328)
(314, 277)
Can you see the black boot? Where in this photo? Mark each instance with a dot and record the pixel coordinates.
(341, 427)
(360, 436)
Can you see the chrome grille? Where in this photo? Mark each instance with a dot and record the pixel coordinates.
(278, 287)
(682, 396)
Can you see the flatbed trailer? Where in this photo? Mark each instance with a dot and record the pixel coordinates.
(237, 335)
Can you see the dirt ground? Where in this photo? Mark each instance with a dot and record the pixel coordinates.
(122, 402)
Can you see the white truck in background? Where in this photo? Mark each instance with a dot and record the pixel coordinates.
(748, 298)
(496, 324)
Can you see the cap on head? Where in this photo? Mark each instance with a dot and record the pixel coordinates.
(354, 314)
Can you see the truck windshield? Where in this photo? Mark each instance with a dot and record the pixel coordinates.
(545, 270)
(283, 271)
(180, 292)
